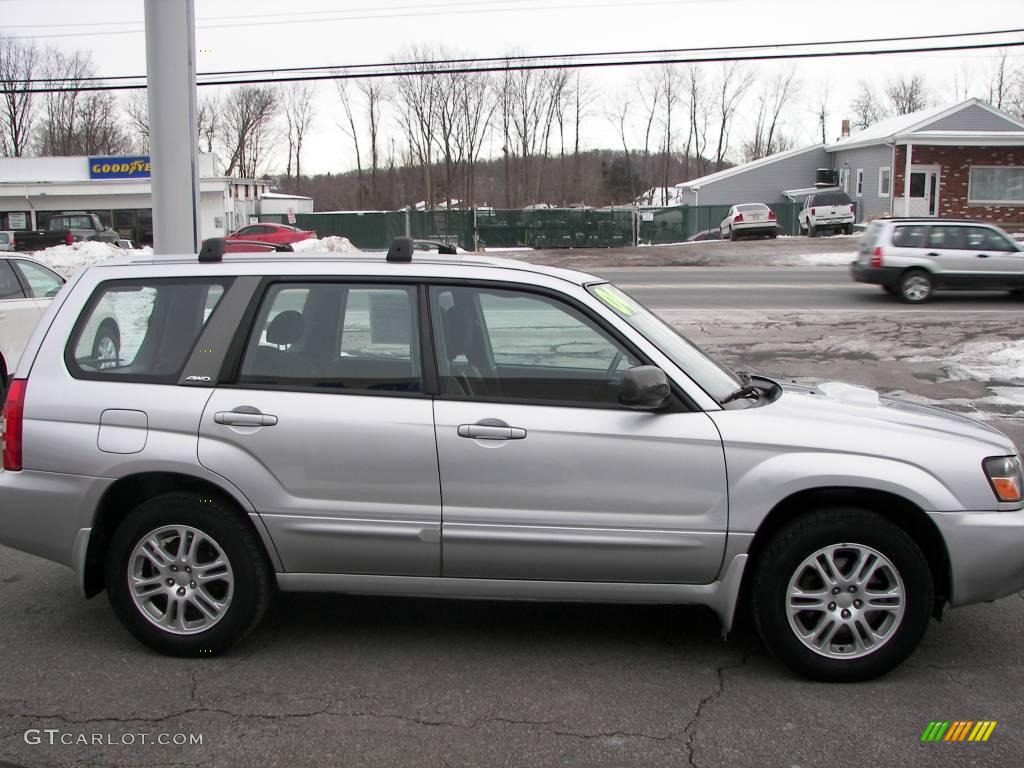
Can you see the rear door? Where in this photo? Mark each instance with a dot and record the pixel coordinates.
(327, 430)
(19, 314)
(544, 475)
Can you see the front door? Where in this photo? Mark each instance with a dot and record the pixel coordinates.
(328, 433)
(996, 257)
(924, 191)
(544, 476)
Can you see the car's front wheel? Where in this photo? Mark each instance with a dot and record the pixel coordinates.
(187, 575)
(842, 595)
(916, 286)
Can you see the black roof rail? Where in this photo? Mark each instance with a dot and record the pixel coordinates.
(212, 250)
(400, 250)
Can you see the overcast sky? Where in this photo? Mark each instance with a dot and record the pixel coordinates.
(244, 34)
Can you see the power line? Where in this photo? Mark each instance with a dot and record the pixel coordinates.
(390, 70)
(333, 68)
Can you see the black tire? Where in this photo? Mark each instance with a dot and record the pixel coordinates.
(732, 233)
(812, 231)
(253, 584)
(107, 339)
(848, 229)
(782, 559)
(916, 286)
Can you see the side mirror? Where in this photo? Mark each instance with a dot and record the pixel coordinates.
(644, 388)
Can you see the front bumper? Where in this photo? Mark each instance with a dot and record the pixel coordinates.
(986, 553)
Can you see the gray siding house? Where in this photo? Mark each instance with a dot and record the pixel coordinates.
(759, 181)
(964, 161)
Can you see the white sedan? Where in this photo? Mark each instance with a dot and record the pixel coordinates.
(749, 219)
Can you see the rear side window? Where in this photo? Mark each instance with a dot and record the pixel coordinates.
(830, 198)
(43, 283)
(752, 208)
(909, 236)
(335, 336)
(947, 237)
(10, 288)
(142, 330)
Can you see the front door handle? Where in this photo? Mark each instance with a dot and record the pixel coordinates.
(250, 417)
(491, 429)
(982, 255)
(932, 255)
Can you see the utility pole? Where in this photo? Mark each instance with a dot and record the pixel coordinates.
(171, 88)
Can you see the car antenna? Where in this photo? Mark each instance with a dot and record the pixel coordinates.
(212, 250)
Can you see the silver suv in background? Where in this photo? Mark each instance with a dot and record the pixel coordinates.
(474, 427)
(913, 258)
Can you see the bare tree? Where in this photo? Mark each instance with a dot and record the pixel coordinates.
(698, 103)
(19, 65)
(375, 93)
(583, 96)
(619, 117)
(866, 107)
(822, 108)
(476, 111)
(774, 95)
(528, 99)
(733, 84)
(963, 81)
(209, 122)
(297, 106)
(136, 106)
(907, 94)
(649, 90)
(1001, 80)
(248, 119)
(414, 95)
(350, 129)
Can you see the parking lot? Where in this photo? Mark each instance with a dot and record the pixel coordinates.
(401, 682)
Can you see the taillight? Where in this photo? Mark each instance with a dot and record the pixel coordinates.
(738, 219)
(771, 215)
(69, 239)
(14, 412)
(813, 213)
(876, 256)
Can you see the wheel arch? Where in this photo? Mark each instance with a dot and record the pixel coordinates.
(895, 508)
(128, 492)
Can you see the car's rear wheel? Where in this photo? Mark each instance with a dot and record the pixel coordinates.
(916, 286)
(187, 575)
(732, 233)
(842, 595)
(106, 345)
(812, 231)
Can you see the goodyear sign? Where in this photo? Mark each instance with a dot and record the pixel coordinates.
(136, 167)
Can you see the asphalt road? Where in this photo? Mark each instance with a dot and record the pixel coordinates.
(345, 681)
(826, 289)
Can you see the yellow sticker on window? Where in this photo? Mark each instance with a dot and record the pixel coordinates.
(615, 299)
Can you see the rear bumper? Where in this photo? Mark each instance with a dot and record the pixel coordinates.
(41, 513)
(887, 276)
(986, 553)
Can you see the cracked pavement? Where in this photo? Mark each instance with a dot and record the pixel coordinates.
(390, 682)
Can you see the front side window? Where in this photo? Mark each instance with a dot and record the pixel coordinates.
(10, 288)
(142, 330)
(44, 283)
(335, 336)
(504, 344)
(984, 239)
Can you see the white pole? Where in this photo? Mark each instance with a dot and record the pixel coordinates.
(171, 87)
(906, 181)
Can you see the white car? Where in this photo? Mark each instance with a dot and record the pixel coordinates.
(749, 219)
(26, 287)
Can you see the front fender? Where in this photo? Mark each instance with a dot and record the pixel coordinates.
(757, 487)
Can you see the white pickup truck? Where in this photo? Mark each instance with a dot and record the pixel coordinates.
(830, 209)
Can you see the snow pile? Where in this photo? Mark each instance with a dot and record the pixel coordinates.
(988, 361)
(68, 259)
(828, 259)
(332, 243)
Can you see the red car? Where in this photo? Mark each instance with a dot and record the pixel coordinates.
(271, 233)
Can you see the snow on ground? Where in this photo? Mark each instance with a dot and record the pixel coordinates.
(332, 243)
(828, 259)
(988, 361)
(68, 259)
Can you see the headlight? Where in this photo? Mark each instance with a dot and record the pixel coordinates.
(1004, 475)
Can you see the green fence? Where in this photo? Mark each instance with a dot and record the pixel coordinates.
(531, 228)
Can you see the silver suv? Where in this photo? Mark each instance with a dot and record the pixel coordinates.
(913, 258)
(472, 427)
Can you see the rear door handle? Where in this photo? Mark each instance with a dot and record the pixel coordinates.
(932, 255)
(982, 255)
(491, 429)
(247, 418)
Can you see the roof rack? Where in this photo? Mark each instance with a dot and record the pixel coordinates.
(400, 250)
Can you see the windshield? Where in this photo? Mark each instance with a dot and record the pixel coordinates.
(710, 375)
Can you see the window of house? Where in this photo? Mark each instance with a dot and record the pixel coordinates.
(860, 182)
(996, 184)
(884, 182)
